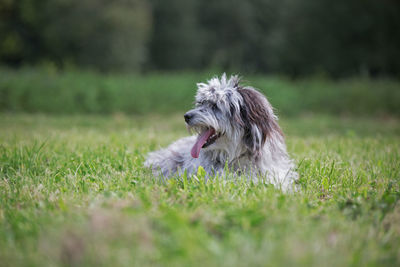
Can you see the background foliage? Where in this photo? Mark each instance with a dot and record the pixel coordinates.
(340, 38)
(100, 34)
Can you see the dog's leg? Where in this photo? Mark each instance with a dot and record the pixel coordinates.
(171, 159)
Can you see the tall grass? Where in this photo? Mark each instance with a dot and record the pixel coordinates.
(72, 92)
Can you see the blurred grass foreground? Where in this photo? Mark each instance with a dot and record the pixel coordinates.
(70, 92)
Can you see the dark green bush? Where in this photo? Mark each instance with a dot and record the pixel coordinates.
(98, 34)
(297, 38)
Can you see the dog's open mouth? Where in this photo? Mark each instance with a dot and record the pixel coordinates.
(205, 138)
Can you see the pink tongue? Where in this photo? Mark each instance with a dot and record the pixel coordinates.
(200, 142)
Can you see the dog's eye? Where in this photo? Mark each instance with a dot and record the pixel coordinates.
(203, 103)
(215, 108)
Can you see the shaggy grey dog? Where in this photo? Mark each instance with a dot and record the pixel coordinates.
(236, 127)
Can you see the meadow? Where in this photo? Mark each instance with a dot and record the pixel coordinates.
(73, 191)
(88, 88)
(47, 90)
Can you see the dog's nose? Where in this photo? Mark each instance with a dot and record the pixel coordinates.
(187, 117)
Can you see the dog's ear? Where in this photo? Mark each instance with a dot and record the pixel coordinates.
(258, 120)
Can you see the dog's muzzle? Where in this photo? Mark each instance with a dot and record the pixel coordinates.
(188, 116)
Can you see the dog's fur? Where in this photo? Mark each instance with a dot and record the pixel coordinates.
(250, 141)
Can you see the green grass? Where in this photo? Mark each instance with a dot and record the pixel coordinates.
(75, 92)
(73, 191)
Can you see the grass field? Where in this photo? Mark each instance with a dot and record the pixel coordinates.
(36, 90)
(73, 191)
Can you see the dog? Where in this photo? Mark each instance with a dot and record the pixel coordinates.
(237, 130)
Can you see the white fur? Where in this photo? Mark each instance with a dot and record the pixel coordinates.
(219, 105)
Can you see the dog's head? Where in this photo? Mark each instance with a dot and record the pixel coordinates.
(228, 114)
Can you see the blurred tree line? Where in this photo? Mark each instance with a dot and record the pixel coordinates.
(337, 38)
